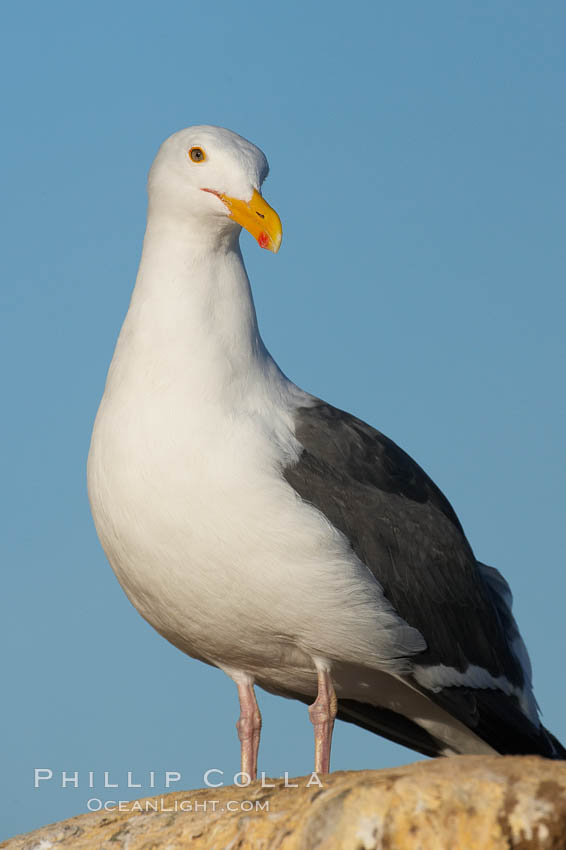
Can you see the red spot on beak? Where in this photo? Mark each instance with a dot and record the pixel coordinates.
(263, 239)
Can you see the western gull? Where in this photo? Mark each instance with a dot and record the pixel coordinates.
(265, 532)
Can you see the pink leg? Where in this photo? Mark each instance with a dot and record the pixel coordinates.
(249, 728)
(322, 713)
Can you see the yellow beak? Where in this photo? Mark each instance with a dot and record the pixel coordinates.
(258, 218)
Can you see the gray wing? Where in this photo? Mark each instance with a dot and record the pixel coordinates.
(404, 529)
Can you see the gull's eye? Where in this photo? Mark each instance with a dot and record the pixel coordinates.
(197, 154)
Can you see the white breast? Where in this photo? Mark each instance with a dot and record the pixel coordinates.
(214, 548)
(210, 543)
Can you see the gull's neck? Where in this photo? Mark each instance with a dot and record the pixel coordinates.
(192, 318)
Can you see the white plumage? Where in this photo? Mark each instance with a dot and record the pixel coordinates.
(209, 541)
(184, 469)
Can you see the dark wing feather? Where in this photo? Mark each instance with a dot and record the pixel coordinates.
(499, 720)
(382, 721)
(391, 725)
(405, 530)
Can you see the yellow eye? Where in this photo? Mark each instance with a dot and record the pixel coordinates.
(197, 154)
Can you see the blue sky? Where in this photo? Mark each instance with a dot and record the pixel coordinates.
(417, 163)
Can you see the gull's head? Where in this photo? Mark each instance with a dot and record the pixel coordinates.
(211, 178)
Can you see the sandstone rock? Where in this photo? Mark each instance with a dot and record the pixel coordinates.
(464, 803)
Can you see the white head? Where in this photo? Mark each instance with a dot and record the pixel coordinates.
(212, 176)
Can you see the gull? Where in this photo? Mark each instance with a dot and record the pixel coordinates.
(265, 532)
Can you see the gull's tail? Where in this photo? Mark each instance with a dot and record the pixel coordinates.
(557, 750)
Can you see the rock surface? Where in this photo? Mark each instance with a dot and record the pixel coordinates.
(464, 803)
